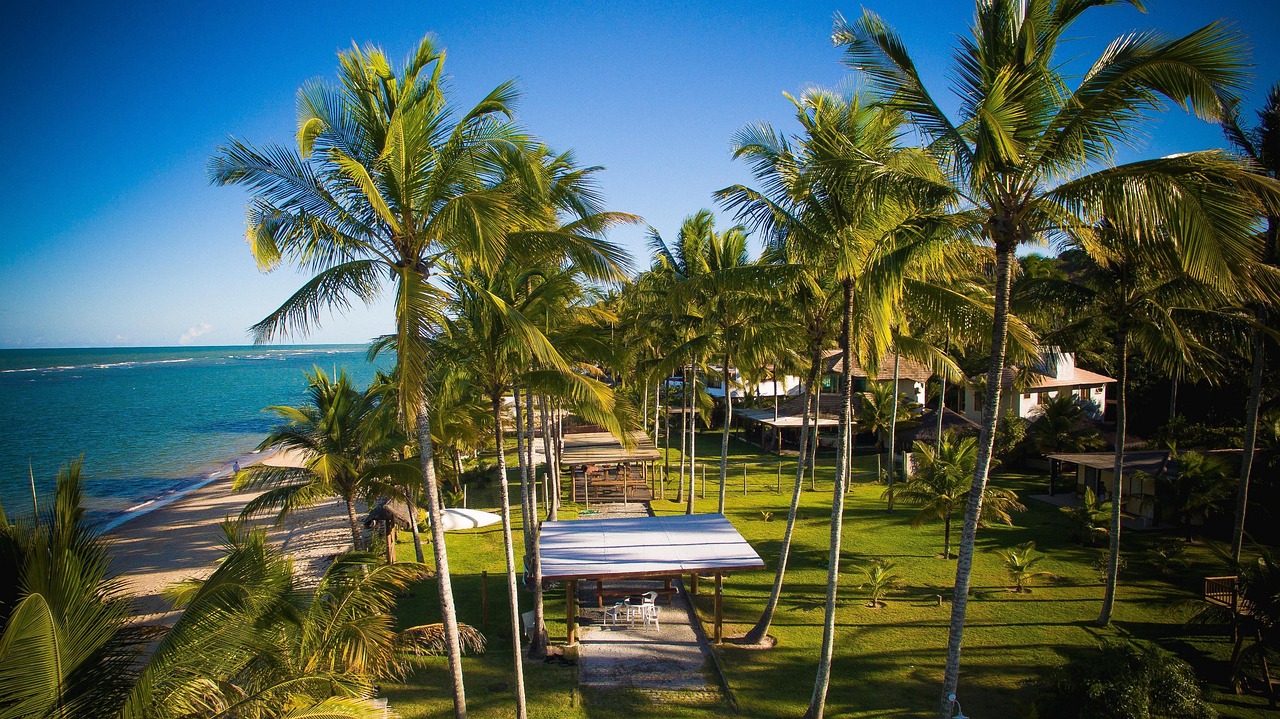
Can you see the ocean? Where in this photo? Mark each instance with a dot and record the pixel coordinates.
(151, 423)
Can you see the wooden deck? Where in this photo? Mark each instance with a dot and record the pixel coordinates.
(623, 484)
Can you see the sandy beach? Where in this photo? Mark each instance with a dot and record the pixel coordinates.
(182, 539)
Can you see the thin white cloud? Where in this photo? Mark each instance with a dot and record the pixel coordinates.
(193, 332)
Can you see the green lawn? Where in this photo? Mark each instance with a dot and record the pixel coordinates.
(888, 661)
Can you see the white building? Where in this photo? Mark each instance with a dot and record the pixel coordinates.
(1054, 374)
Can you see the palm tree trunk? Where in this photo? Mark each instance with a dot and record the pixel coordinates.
(1117, 480)
(693, 439)
(817, 435)
(818, 701)
(355, 526)
(526, 509)
(448, 614)
(644, 412)
(666, 438)
(533, 538)
(724, 436)
(1250, 437)
(413, 527)
(942, 408)
(946, 536)
(551, 478)
(657, 397)
(1173, 398)
(986, 443)
(893, 430)
(761, 629)
(684, 432)
(508, 546)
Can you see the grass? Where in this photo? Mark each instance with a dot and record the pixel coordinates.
(888, 661)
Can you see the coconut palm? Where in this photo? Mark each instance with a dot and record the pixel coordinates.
(333, 436)
(1199, 487)
(940, 482)
(67, 648)
(1089, 518)
(1060, 425)
(854, 202)
(387, 180)
(1033, 155)
(1143, 299)
(880, 579)
(863, 228)
(248, 641)
(1020, 563)
(1261, 145)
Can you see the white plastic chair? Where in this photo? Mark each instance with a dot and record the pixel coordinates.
(650, 614)
(616, 611)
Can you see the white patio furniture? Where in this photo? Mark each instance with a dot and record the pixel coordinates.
(616, 612)
(650, 614)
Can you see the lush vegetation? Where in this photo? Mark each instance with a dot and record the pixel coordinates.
(890, 233)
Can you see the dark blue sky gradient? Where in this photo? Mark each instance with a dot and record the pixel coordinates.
(112, 236)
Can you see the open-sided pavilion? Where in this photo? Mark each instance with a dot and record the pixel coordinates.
(604, 470)
(662, 547)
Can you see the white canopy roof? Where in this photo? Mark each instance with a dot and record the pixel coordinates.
(644, 547)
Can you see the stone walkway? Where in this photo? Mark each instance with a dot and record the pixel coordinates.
(671, 662)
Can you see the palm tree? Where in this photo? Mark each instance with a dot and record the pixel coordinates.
(1090, 518)
(852, 202)
(1141, 297)
(880, 579)
(1033, 154)
(66, 644)
(248, 642)
(1199, 487)
(940, 481)
(387, 181)
(1261, 145)
(1060, 425)
(332, 435)
(1020, 563)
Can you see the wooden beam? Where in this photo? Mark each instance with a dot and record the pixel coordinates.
(719, 609)
(571, 611)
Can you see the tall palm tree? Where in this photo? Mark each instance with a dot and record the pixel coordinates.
(1261, 145)
(332, 435)
(853, 202)
(1023, 150)
(387, 180)
(940, 481)
(1142, 298)
(724, 290)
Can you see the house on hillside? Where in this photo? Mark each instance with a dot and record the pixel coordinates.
(1054, 374)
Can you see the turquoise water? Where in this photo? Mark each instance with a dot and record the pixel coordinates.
(149, 421)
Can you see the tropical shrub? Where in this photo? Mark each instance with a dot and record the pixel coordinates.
(880, 579)
(1089, 518)
(1020, 562)
(1123, 680)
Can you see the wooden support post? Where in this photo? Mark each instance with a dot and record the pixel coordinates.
(704, 482)
(626, 479)
(600, 593)
(744, 480)
(571, 611)
(778, 487)
(693, 584)
(719, 632)
(484, 599)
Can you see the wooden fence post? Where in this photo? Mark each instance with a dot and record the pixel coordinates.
(744, 480)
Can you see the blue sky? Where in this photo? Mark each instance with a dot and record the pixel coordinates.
(112, 236)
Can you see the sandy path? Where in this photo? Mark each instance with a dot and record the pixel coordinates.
(183, 539)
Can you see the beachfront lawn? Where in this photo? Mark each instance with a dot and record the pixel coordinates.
(888, 661)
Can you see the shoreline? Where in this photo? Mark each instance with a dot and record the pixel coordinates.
(111, 521)
(178, 536)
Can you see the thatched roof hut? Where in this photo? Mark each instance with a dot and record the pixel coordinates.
(390, 510)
